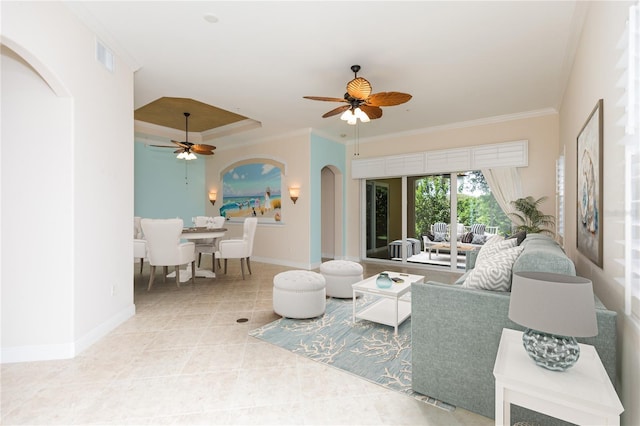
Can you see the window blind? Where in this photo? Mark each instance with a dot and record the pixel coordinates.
(630, 82)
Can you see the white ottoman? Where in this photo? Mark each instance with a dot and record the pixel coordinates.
(299, 294)
(339, 275)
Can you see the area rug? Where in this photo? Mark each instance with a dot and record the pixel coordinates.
(366, 349)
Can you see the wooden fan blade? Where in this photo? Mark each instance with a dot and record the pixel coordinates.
(163, 146)
(336, 111)
(359, 88)
(203, 149)
(180, 144)
(388, 99)
(323, 98)
(372, 112)
(178, 151)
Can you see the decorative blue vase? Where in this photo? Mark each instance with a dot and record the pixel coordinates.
(551, 351)
(383, 280)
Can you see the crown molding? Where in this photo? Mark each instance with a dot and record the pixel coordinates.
(463, 124)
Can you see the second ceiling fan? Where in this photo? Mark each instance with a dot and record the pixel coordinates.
(187, 149)
(361, 104)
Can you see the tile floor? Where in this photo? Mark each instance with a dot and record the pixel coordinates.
(184, 360)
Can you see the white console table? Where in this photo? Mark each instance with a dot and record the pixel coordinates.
(583, 394)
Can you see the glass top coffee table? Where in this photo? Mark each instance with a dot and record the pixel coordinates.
(394, 303)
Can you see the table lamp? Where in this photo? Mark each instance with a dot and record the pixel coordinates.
(555, 309)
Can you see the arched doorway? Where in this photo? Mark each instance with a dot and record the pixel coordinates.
(332, 212)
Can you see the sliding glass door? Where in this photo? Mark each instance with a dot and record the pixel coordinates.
(440, 211)
(377, 219)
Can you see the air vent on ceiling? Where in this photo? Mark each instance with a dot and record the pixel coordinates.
(104, 56)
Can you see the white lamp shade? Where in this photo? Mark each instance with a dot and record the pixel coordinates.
(553, 303)
(345, 115)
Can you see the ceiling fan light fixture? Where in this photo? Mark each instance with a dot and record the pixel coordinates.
(361, 115)
(191, 156)
(346, 115)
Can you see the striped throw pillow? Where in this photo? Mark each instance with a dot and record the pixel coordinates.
(494, 273)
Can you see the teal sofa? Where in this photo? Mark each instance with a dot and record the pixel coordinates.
(455, 333)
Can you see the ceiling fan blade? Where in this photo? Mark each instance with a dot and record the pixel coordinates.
(372, 112)
(388, 99)
(181, 144)
(323, 98)
(359, 88)
(203, 149)
(163, 146)
(178, 151)
(336, 111)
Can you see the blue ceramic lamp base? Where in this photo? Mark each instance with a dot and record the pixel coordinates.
(551, 351)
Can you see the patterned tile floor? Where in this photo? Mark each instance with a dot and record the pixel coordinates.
(184, 360)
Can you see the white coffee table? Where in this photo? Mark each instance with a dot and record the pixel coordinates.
(394, 304)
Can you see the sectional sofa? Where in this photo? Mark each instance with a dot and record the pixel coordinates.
(456, 332)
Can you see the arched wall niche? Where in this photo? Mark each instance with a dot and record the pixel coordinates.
(13, 48)
(37, 109)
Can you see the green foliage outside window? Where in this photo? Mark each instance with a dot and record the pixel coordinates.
(476, 204)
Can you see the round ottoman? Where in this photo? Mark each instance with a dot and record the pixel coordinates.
(299, 294)
(339, 275)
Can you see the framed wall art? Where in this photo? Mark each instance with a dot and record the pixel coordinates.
(589, 191)
(252, 188)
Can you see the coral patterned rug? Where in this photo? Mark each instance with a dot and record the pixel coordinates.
(366, 349)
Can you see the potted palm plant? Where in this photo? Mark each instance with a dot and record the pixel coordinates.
(530, 218)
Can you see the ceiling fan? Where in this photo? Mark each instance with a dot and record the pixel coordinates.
(187, 149)
(361, 104)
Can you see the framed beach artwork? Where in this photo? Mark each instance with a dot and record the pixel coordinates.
(252, 188)
(589, 191)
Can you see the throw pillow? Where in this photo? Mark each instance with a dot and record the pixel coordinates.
(493, 239)
(494, 273)
(489, 250)
(467, 238)
(439, 237)
(478, 228)
(478, 239)
(463, 277)
(519, 236)
(430, 236)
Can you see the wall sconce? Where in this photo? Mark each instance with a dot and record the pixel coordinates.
(294, 192)
(213, 195)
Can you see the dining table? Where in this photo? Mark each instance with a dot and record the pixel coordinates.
(199, 233)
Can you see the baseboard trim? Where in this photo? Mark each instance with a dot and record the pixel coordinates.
(103, 329)
(65, 350)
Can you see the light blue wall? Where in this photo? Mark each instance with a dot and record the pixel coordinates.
(161, 190)
(324, 152)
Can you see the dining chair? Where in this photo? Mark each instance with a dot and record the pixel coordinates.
(239, 248)
(209, 245)
(139, 243)
(139, 251)
(165, 249)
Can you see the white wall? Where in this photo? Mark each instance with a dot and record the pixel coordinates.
(74, 186)
(286, 243)
(30, 230)
(594, 76)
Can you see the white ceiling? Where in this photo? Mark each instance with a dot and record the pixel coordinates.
(461, 61)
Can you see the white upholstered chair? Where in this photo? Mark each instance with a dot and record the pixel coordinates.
(139, 243)
(139, 251)
(165, 249)
(239, 248)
